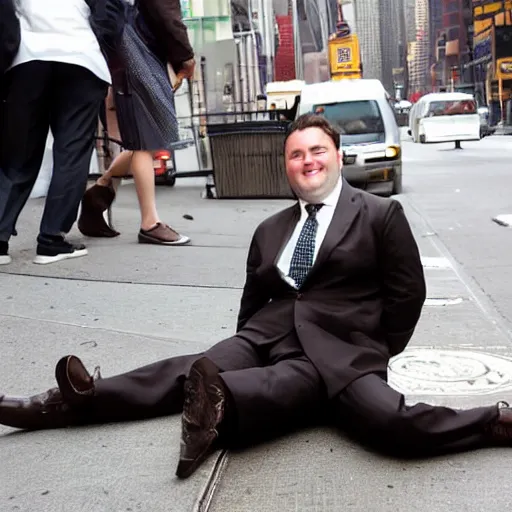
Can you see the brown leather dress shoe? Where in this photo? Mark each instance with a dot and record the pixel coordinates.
(91, 222)
(56, 408)
(203, 412)
(500, 430)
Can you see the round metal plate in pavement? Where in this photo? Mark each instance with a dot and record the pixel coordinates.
(449, 372)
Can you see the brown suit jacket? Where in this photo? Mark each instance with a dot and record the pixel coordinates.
(164, 19)
(360, 302)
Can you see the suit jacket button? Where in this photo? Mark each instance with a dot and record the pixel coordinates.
(299, 296)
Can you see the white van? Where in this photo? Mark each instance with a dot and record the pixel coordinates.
(444, 117)
(364, 114)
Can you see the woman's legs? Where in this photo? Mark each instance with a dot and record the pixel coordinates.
(119, 168)
(144, 177)
(140, 164)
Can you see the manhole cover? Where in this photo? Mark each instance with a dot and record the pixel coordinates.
(449, 372)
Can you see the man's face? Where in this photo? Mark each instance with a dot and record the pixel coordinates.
(313, 164)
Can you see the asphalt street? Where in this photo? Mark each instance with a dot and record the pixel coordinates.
(126, 305)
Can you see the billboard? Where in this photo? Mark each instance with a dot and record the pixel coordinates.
(485, 10)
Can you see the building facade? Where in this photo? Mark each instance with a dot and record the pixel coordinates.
(491, 65)
(419, 55)
(382, 32)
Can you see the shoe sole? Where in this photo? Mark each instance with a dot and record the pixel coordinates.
(199, 372)
(144, 239)
(44, 260)
(5, 259)
(183, 474)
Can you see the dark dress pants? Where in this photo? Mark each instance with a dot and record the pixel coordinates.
(38, 96)
(376, 414)
(274, 388)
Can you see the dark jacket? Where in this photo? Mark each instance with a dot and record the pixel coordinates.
(108, 18)
(361, 300)
(9, 34)
(164, 21)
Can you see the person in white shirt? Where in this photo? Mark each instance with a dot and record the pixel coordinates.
(56, 82)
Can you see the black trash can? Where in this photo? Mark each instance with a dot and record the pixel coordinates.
(248, 159)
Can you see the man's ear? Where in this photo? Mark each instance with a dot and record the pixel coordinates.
(341, 156)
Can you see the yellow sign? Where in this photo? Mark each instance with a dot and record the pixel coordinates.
(504, 69)
(491, 8)
(483, 33)
(346, 75)
(492, 13)
(344, 57)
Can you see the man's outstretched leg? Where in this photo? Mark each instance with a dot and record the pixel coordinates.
(56, 408)
(378, 415)
(147, 392)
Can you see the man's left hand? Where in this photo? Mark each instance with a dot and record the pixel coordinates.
(186, 72)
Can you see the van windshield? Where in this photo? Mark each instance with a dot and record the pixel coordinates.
(358, 121)
(451, 108)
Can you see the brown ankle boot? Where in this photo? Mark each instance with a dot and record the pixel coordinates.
(56, 408)
(95, 202)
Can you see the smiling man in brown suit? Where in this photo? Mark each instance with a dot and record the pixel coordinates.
(334, 288)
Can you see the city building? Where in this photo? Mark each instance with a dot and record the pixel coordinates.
(435, 26)
(383, 51)
(453, 47)
(419, 51)
(303, 31)
(409, 7)
(491, 64)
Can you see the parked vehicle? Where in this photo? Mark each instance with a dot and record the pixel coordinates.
(485, 127)
(445, 117)
(364, 114)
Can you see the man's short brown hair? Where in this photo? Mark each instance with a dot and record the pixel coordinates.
(314, 121)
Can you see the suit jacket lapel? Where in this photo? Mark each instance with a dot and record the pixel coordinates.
(281, 233)
(345, 213)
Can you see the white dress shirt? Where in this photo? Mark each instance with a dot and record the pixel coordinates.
(323, 217)
(59, 31)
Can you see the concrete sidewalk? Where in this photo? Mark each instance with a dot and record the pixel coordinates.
(122, 306)
(126, 305)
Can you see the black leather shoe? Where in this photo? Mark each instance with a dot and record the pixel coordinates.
(56, 408)
(203, 412)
